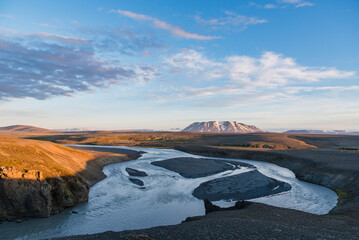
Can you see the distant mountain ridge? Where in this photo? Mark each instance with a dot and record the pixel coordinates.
(75, 130)
(328, 132)
(221, 127)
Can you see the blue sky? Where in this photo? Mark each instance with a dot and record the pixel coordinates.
(277, 64)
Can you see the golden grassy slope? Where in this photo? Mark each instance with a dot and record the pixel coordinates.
(53, 160)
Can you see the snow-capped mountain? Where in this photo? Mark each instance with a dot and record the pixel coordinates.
(221, 127)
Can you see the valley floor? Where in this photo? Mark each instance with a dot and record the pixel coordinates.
(330, 161)
(332, 168)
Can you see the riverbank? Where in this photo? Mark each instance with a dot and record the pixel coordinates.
(257, 221)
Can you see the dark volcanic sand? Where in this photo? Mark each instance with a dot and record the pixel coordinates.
(189, 167)
(243, 186)
(257, 221)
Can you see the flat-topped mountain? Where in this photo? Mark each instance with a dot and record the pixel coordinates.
(221, 127)
(24, 129)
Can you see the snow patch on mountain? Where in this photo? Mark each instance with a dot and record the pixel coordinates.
(221, 127)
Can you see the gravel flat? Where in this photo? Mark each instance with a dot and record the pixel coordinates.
(257, 221)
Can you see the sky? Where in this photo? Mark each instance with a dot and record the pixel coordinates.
(159, 64)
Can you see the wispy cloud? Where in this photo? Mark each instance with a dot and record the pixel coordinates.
(7, 16)
(237, 80)
(283, 4)
(45, 25)
(231, 19)
(15, 33)
(268, 6)
(175, 30)
(296, 3)
(56, 37)
(108, 40)
(53, 65)
(124, 41)
(271, 69)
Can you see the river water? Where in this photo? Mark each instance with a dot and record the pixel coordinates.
(117, 204)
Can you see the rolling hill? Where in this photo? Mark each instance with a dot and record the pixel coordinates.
(25, 130)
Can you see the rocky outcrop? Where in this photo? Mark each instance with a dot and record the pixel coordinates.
(221, 127)
(25, 193)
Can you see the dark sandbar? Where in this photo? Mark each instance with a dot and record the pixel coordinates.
(243, 186)
(199, 167)
(136, 173)
(136, 181)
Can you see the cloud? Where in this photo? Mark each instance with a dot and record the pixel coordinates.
(283, 4)
(124, 41)
(296, 3)
(107, 40)
(194, 62)
(45, 25)
(56, 37)
(177, 31)
(40, 35)
(53, 65)
(269, 6)
(271, 69)
(231, 19)
(334, 89)
(240, 79)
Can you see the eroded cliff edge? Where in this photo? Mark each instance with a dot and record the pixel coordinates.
(38, 179)
(26, 193)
